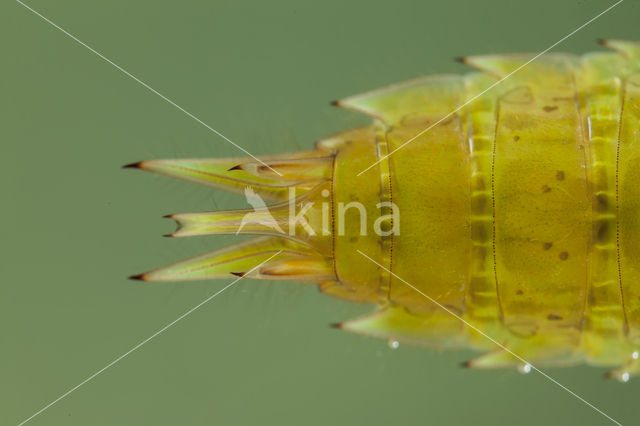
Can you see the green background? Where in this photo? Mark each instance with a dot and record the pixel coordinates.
(75, 225)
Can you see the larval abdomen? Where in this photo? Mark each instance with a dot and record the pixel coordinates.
(517, 211)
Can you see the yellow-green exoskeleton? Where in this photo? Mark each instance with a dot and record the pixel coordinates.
(517, 211)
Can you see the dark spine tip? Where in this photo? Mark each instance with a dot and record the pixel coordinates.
(466, 364)
(601, 41)
(238, 274)
(337, 325)
(139, 277)
(461, 59)
(167, 216)
(137, 165)
(238, 167)
(168, 235)
(335, 103)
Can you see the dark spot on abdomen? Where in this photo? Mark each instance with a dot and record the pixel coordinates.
(602, 202)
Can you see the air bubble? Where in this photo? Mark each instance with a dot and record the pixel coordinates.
(394, 344)
(634, 355)
(625, 377)
(325, 192)
(524, 368)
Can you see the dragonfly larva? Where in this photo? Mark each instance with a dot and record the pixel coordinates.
(518, 212)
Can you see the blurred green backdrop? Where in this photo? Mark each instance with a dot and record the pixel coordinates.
(75, 225)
